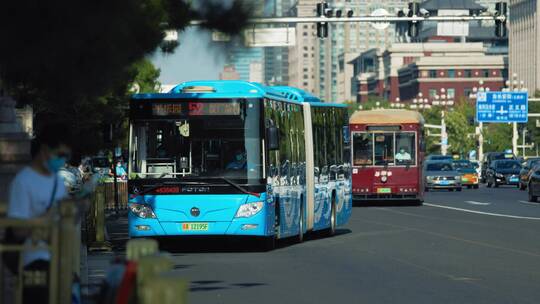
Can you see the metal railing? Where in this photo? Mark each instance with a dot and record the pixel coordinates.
(59, 233)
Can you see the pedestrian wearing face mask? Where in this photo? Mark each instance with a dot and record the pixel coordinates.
(33, 191)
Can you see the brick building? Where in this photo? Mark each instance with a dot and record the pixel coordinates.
(405, 70)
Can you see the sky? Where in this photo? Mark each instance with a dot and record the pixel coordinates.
(196, 58)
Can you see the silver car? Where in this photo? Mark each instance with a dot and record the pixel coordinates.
(441, 175)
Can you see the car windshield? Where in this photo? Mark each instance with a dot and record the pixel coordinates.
(384, 148)
(507, 165)
(205, 139)
(439, 167)
(463, 165)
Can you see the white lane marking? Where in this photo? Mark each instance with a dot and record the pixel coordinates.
(529, 203)
(477, 203)
(484, 213)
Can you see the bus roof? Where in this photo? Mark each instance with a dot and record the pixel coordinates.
(234, 89)
(386, 116)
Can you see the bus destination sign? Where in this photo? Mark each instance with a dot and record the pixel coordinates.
(196, 109)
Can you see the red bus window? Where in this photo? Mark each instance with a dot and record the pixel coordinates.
(384, 149)
(363, 149)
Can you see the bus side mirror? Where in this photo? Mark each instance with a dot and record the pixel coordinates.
(272, 136)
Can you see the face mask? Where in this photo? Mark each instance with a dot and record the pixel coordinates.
(401, 151)
(55, 164)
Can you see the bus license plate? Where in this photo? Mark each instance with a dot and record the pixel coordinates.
(384, 190)
(195, 227)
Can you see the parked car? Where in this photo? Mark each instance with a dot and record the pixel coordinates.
(434, 157)
(503, 172)
(489, 157)
(533, 186)
(441, 175)
(526, 171)
(469, 176)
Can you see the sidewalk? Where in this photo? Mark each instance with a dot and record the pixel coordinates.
(99, 261)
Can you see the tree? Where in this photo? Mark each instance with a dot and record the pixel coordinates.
(73, 59)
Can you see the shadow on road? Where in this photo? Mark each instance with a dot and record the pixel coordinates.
(219, 285)
(227, 244)
(394, 203)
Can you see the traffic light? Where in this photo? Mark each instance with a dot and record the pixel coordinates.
(322, 27)
(414, 26)
(501, 9)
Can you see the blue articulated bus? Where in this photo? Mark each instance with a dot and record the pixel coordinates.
(237, 158)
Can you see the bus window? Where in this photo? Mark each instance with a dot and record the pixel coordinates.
(384, 149)
(363, 149)
(405, 149)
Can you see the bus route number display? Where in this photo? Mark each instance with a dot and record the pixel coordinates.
(196, 109)
(213, 108)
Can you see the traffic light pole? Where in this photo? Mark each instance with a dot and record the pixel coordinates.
(295, 20)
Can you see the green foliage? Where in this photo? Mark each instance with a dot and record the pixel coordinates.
(74, 60)
(497, 137)
(372, 103)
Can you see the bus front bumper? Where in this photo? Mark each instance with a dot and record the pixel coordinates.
(165, 225)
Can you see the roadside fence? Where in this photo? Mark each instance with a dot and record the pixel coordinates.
(58, 232)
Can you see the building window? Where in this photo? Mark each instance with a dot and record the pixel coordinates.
(305, 55)
(468, 73)
(305, 84)
(306, 76)
(305, 69)
(432, 93)
(485, 73)
(305, 33)
(451, 93)
(467, 92)
(432, 74)
(504, 73)
(451, 73)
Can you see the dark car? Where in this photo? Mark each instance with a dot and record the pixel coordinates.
(526, 171)
(441, 175)
(438, 157)
(534, 184)
(489, 158)
(503, 172)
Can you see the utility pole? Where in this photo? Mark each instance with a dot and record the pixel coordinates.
(480, 142)
(515, 136)
(444, 135)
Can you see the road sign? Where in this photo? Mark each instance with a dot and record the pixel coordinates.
(502, 106)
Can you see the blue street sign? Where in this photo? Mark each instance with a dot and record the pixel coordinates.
(502, 106)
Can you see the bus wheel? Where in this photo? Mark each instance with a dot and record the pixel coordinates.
(332, 229)
(300, 236)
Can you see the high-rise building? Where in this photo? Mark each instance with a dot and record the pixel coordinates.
(524, 42)
(345, 41)
(303, 67)
(276, 59)
(242, 58)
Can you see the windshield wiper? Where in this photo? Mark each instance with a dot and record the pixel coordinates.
(238, 187)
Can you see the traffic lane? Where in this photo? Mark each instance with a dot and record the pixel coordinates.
(507, 200)
(391, 255)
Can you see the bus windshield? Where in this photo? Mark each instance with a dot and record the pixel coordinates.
(384, 148)
(199, 139)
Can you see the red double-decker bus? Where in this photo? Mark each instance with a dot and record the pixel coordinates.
(387, 155)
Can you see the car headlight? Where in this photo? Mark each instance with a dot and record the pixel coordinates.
(499, 175)
(142, 211)
(430, 178)
(249, 209)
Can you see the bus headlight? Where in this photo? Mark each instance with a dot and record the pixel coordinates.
(249, 209)
(142, 211)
